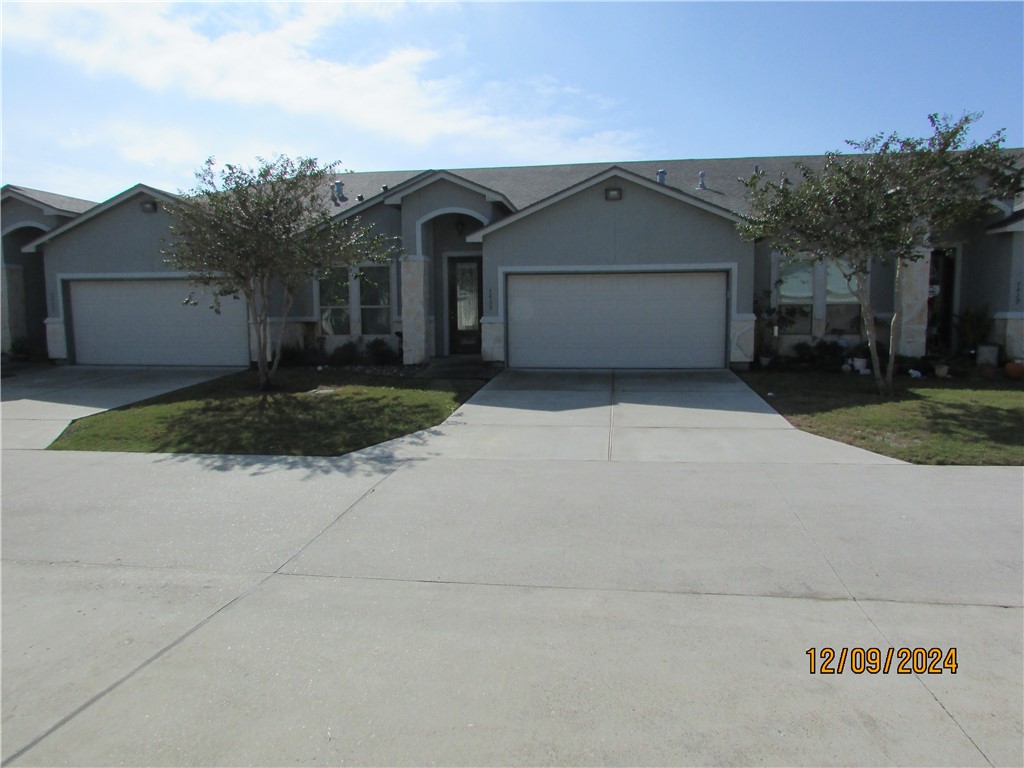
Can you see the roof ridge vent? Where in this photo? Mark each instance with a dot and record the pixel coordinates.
(700, 181)
(661, 176)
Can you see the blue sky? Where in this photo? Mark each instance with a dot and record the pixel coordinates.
(98, 97)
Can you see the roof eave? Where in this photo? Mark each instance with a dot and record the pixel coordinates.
(47, 210)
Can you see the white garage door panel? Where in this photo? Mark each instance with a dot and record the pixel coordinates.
(617, 320)
(143, 322)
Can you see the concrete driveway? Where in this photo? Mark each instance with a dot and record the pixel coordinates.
(508, 593)
(39, 401)
(679, 416)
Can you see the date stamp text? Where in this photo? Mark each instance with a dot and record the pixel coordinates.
(874, 661)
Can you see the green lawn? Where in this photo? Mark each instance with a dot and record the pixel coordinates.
(309, 414)
(927, 421)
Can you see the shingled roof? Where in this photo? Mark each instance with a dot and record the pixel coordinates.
(525, 185)
(61, 203)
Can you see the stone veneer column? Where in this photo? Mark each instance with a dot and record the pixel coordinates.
(56, 339)
(414, 309)
(913, 304)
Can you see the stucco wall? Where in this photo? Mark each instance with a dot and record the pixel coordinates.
(435, 199)
(123, 240)
(646, 227)
(992, 273)
(16, 213)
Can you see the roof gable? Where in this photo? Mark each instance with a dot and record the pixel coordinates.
(99, 210)
(609, 173)
(432, 177)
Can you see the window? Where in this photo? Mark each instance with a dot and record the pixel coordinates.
(335, 318)
(375, 300)
(842, 310)
(816, 298)
(796, 296)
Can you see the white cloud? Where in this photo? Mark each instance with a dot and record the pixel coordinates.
(262, 56)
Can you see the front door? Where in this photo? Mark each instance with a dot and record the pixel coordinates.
(465, 304)
(941, 286)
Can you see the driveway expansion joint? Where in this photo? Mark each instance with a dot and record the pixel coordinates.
(103, 693)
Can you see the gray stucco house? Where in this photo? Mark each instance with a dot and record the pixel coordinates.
(634, 265)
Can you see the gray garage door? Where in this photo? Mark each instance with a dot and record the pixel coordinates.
(617, 320)
(143, 322)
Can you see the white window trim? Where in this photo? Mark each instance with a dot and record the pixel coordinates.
(318, 309)
(355, 298)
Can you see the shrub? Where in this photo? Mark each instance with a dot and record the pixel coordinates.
(292, 355)
(346, 354)
(804, 352)
(296, 355)
(379, 352)
(829, 355)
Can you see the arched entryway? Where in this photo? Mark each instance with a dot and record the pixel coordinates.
(24, 294)
(457, 299)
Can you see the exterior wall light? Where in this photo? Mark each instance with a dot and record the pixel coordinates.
(613, 193)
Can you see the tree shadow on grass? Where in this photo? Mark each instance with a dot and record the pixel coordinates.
(968, 421)
(277, 431)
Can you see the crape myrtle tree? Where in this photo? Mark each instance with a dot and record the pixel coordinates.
(263, 233)
(891, 204)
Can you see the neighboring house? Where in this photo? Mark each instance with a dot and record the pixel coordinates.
(635, 265)
(25, 214)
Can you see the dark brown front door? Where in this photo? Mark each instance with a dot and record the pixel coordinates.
(465, 304)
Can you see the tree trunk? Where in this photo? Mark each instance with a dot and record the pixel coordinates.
(262, 317)
(868, 322)
(894, 325)
(288, 300)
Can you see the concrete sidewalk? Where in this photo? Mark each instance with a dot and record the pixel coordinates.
(393, 607)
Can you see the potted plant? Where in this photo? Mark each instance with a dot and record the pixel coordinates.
(860, 357)
(973, 327)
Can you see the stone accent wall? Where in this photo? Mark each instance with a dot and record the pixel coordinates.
(741, 339)
(492, 344)
(414, 309)
(56, 339)
(1008, 331)
(913, 303)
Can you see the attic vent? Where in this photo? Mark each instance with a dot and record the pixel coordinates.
(337, 195)
(383, 187)
(359, 198)
(661, 176)
(700, 181)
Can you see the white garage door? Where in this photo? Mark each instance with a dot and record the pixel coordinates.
(143, 322)
(617, 320)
